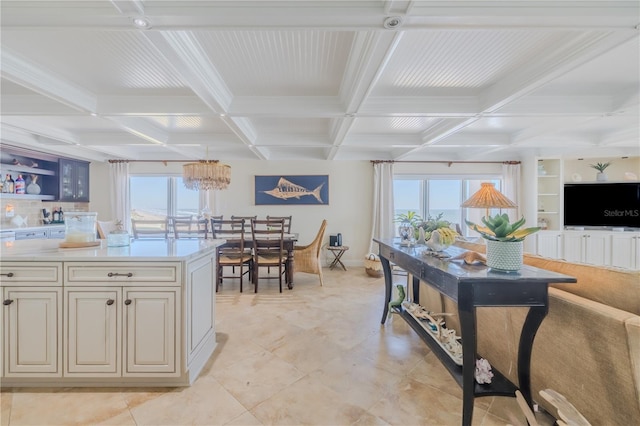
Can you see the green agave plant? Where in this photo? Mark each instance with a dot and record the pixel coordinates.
(498, 228)
(600, 166)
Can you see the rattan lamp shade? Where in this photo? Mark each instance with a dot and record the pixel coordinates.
(488, 197)
(205, 175)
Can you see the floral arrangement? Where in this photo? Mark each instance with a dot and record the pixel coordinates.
(498, 228)
(428, 226)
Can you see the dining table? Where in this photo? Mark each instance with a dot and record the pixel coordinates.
(289, 244)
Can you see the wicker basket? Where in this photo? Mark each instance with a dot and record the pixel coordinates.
(373, 266)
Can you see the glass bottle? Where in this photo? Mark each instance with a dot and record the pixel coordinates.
(4, 185)
(11, 185)
(20, 186)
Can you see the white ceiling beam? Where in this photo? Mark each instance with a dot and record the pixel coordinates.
(370, 54)
(36, 79)
(328, 14)
(542, 70)
(190, 61)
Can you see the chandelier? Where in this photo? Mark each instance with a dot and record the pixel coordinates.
(205, 175)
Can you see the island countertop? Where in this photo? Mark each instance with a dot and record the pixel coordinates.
(138, 250)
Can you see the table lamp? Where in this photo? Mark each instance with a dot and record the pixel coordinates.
(489, 197)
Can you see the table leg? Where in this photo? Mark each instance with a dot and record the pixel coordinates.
(340, 253)
(388, 281)
(527, 334)
(467, 316)
(289, 266)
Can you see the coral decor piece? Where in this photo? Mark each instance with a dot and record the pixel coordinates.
(483, 373)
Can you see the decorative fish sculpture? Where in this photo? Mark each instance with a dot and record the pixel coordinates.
(285, 190)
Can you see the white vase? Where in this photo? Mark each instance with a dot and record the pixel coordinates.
(504, 255)
(601, 177)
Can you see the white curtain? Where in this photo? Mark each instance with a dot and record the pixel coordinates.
(382, 226)
(511, 180)
(119, 196)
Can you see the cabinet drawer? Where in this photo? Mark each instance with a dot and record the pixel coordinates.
(139, 273)
(56, 233)
(31, 235)
(28, 273)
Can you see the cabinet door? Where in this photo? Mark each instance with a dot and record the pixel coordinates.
(549, 244)
(81, 181)
(151, 328)
(573, 246)
(32, 332)
(625, 251)
(597, 248)
(92, 331)
(74, 180)
(66, 180)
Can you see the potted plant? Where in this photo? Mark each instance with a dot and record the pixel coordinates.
(504, 241)
(600, 167)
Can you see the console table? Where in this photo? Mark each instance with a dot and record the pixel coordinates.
(473, 286)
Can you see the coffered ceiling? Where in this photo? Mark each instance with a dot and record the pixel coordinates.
(322, 80)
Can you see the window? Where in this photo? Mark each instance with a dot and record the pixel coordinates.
(431, 196)
(156, 197)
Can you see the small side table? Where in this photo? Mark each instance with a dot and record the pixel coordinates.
(337, 251)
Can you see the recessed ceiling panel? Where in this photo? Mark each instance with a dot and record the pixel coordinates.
(180, 123)
(279, 63)
(291, 125)
(103, 62)
(388, 125)
(462, 58)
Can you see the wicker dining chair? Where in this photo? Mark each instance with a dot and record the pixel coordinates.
(307, 258)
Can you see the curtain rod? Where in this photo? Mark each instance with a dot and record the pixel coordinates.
(445, 162)
(158, 161)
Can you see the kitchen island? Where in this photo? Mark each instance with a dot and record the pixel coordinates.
(139, 315)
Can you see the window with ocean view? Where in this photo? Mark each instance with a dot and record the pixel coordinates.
(156, 197)
(431, 196)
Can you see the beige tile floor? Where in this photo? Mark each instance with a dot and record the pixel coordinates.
(310, 356)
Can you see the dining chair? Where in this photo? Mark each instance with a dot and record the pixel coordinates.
(287, 222)
(247, 221)
(212, 218)
(268, 249)
(105, 227)
(189, 228)
(156, 228)
(307, 258)
(234, 252)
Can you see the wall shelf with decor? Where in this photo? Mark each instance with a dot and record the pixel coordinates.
(549, 194)
(53, 178)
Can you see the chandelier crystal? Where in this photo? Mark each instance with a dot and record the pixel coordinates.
(205, 175)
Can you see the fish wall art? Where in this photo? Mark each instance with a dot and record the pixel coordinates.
(280, 189)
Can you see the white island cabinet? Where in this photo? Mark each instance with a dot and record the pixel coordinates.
(107, 316)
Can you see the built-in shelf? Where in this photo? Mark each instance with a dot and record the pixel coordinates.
(547, 194)
(28, 197)
(547, 176)
(8, 168)
(547, 212)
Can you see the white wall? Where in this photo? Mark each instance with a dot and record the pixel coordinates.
(348, 212)
(350, 194)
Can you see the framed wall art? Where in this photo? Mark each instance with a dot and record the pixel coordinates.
(303, 189)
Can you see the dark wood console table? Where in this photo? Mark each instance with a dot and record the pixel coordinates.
(471, 287)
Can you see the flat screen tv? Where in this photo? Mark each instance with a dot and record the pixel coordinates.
(602, 204)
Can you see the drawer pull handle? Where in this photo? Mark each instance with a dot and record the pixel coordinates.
(127, 302)
(117, 274)
(10, 274)
(7, 302)
(110, 302)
